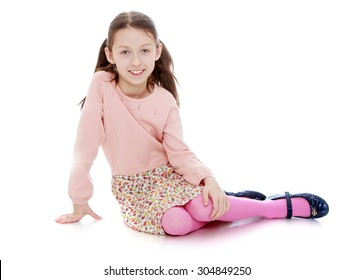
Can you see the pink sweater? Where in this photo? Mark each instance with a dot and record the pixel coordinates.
(136, 135)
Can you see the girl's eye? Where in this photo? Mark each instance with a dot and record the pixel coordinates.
(124, 52)
(145, 51)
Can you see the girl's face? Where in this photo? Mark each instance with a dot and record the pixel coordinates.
(134, 53)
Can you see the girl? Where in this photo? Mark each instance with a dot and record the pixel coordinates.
(131, 109)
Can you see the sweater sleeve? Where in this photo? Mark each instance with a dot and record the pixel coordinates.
(90, 135)
(179, 155)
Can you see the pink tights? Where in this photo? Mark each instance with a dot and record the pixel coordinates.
(181, 220)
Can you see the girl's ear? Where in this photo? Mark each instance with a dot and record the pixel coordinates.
(159, 51)
(109, 55)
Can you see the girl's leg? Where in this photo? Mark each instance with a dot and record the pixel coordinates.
(177, 221)
(242, 208)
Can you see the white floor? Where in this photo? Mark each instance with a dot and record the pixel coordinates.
(275, 114)
(34, 246)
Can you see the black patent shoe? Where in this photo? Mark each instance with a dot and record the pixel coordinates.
(248, 194)
(318, 206)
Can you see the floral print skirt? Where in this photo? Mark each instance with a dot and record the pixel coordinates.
(146, 196)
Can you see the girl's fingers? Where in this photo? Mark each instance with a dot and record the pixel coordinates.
(215, 210)
(205, 195)
(228, 204)
(95, 216)
(67, 218)
(62, 218)
(220, 207)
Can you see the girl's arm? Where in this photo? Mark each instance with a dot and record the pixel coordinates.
(186, 164)
(179, 155)
(90, 134)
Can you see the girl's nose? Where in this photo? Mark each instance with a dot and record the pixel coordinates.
(136, 60)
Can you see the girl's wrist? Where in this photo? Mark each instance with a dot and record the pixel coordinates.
(207, 180)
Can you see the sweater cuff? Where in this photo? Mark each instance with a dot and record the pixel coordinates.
(79, 202)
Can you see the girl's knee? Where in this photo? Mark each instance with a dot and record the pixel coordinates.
(198, 211)
(176, 221)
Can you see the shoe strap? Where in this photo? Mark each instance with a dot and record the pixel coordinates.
(289, 206)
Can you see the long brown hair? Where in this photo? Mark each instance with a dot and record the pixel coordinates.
(163, 73)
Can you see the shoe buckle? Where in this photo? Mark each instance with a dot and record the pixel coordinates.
(313, 201)
(313, 212)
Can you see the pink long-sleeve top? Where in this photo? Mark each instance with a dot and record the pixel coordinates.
(136, 135)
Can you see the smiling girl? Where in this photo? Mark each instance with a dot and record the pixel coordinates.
(131, 110)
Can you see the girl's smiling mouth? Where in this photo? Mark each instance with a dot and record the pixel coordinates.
(136, 72)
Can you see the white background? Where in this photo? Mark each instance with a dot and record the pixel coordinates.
(266, 102)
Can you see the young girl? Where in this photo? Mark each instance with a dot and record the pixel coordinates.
(131, 109)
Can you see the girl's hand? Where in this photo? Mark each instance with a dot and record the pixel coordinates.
(79, 212)
(219, 199)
